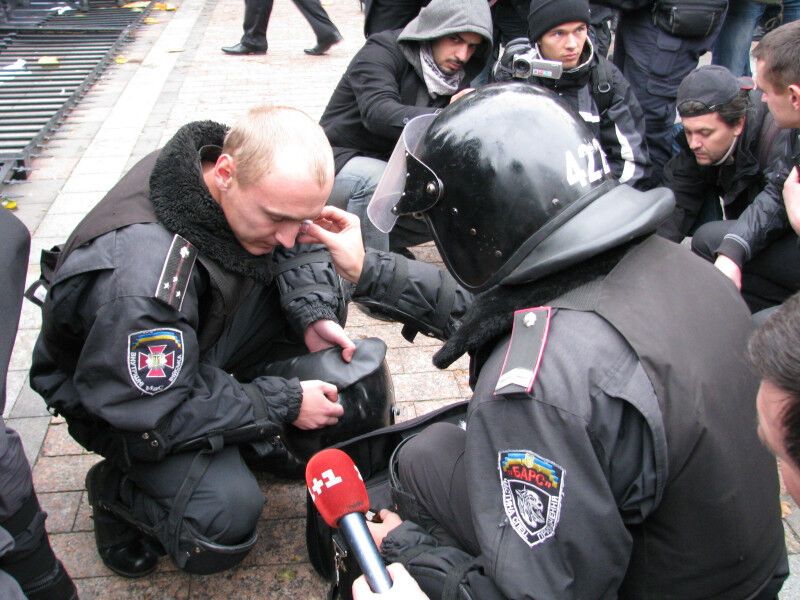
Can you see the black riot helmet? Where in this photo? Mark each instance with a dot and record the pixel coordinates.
(512, 185)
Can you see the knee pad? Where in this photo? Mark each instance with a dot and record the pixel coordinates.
(202, 556)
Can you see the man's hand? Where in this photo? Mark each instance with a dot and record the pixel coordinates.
(404, 587)
(730, 269)
(458, 95)
(791, 199)
(319, 407)
(324, 334)
(340, 231)
(381, 530)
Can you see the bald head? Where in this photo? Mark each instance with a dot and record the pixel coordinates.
(271, 139)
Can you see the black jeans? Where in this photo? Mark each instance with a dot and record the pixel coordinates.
(256, 20)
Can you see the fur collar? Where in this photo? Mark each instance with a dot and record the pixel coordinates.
(492, 312)
(184, 205)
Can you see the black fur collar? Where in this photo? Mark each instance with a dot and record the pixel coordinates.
(184, 205)
(492, 313)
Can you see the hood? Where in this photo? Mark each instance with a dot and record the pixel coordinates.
(445, 17)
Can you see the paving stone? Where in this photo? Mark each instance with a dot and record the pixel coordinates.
(76, 202)
(285, 499)
(416, 387)
(290, 582)
(23, 348)
(83, 520)
(31, 431)
(78, 552)
(62, 473)
(174, 586)
(61, 509)
(280, 541)
(29, 404)
(58, 442)
(14, 382)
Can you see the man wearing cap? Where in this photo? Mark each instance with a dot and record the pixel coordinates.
(729, 141)
(593, 86)
(655, 58)
(759, 250)
(395, 77)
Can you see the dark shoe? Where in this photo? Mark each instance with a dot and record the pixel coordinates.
(122, 548)
(323, 46)
(243, 49)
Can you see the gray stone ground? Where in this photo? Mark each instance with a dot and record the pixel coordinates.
(176, 73)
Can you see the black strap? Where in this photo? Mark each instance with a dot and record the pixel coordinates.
(319, 256)
(454, 577)
(400, 277)
(601, 85)
(193, 476)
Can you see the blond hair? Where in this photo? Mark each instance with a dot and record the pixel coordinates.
(265, 132)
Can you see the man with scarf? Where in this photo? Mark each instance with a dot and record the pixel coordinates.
(592, 85)
(167, 302)
(728, 146)
(609, 449)
(395, 77)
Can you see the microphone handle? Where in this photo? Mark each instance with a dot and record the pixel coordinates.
(358, 537)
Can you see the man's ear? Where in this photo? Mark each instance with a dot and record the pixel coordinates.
(224, 171)
(794, 96)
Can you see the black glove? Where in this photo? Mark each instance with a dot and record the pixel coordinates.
(503, 68)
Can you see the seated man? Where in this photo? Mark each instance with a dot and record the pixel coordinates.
(589, 83)
(729, 143)
(611, 418)
(396, 76)
(168, 300)
(759, 250)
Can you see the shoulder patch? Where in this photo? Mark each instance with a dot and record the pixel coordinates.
(176, 272)
(524, 352)
(532, 487)
(155, 358)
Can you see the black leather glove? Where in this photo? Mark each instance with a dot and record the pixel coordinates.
(502, 70)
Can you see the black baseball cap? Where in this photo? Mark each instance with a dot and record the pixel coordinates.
(712, 86)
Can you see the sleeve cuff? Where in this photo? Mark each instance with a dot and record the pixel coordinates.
(733, 250)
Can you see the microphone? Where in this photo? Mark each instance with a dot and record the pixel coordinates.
(339, 493)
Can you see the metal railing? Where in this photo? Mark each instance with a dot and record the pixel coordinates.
(50, 53)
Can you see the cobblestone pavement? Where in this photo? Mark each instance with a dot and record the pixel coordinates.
(175, 72)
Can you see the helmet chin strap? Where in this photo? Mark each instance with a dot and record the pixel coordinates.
(728, 153)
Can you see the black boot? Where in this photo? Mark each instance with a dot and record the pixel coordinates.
(123, 548)
(32, 562)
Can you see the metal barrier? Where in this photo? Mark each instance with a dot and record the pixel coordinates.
(50, 53)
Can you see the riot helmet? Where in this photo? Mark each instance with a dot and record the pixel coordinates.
(513, 185)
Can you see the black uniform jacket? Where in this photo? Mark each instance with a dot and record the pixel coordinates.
(638, 435)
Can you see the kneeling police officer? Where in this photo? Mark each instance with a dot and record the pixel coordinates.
(609, 449)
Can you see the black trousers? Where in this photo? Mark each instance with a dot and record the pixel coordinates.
(256, 20)
(768, 278)
(431, 466)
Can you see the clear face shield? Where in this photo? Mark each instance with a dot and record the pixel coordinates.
(408, 185)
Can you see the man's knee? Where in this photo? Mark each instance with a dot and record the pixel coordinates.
(231, 510)
(708, 237)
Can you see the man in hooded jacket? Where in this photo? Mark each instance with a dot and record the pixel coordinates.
(591, 84)
(395, 77)
(609, 448)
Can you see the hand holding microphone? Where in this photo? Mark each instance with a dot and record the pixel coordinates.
(404, 587)
(341, 498)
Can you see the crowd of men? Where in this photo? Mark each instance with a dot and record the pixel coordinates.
(610, 447)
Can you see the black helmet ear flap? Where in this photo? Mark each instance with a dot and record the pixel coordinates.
(423, 188)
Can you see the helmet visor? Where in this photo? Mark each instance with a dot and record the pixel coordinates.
(390, 199)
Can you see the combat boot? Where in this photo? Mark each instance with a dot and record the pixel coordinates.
(123, 548)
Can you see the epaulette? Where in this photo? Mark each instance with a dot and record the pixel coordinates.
(176, 272)
(524, 352)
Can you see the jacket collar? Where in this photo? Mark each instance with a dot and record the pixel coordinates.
(184, 205)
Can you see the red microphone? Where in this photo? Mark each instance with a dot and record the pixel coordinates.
(339, 493)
